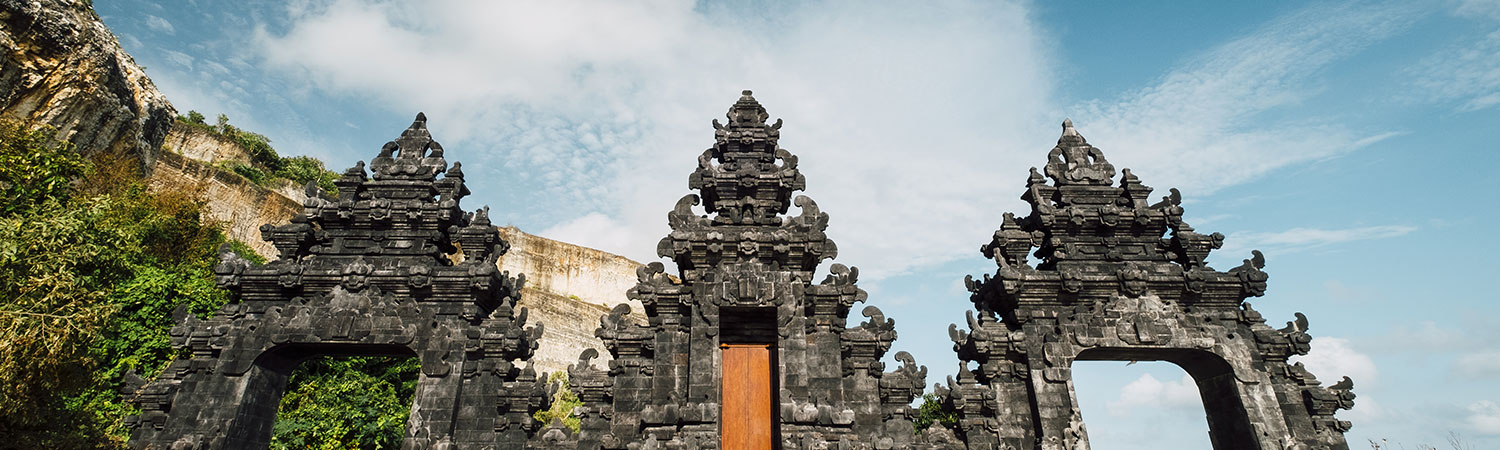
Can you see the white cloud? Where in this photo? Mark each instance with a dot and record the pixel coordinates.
(1147, 391)
(1331, 359)
(1205, 125)
(159, 25)
(1468, 71)
(1484, 417)
(602, 106)
(914, 125)
(178, 58)
(1481, 365)
(1480, 8)
(592, 230)
(1366, 410)
(1300, 239)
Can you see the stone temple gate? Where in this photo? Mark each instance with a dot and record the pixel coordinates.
(370, 273)
(740, 349)
(1111, 283)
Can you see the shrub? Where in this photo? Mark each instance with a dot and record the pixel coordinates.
(88, 281)
(563, 403)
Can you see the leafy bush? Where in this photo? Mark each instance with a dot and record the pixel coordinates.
(563, 403)
(92, 266)
(337, 403)
(88, 281)
(34, 168)
(265, 163)
(250, 172)
(933, 410)
(302, 169)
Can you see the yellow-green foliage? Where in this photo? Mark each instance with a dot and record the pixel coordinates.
(91, 267)
(265, 163)
(563, 403)
(346, 403)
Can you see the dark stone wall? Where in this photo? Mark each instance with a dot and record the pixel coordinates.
(374, 272)
(745, 275)
(371, 272)
(1119, 278)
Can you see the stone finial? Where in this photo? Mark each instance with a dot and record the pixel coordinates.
(747, 112)
(1068, 129)
(1074, 161)
(415, 140)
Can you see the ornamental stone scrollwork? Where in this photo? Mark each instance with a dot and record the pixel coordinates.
(390, 266)
(745, 267)
(1096, 272)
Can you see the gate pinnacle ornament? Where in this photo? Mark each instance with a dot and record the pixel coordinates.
(370, 272)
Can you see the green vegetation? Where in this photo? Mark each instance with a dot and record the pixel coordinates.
(265, 164)
(337, 403)
(933, 410)
(92, 266)
(563, 403)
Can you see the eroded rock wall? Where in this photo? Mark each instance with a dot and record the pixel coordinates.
(61, 67)
(565, 269)
(240, 205)
(202, 145)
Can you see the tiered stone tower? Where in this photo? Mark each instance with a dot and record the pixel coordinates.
(1119, 278)
(371, 273)
(742, 349)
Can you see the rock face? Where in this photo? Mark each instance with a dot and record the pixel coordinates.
(61, 67)
(197, 143)
(189, 162)
(568, 287)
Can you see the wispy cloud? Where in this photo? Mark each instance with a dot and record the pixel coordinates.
(1480, 365)
(1466, 72)
(1218, 119)
(598, 108)
(913, 124)
(159, 25)
(1484, 417)
(1301, 239)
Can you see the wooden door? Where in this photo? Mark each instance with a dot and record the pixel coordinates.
(745, 423)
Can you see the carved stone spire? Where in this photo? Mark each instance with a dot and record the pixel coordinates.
(746, 278)
(372, 272)
(1074, 161)
(1119, 278)
(746, 191)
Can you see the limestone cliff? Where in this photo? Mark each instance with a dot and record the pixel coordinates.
(61, 67)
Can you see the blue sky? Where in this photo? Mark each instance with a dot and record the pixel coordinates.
(1353, 143)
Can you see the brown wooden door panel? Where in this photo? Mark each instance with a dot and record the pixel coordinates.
(746, 419)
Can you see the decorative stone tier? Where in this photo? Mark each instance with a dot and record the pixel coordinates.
(372, 272)
(1109, 286)
(745, 276)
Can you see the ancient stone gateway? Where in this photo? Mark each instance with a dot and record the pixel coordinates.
(741, 349)
(370, 273)
(1110, 284)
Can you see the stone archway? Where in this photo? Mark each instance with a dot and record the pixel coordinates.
(1229, 424)
(1122, 278)
(372, 271)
